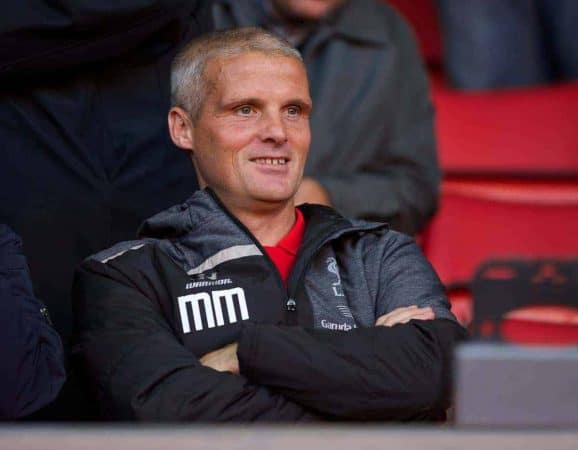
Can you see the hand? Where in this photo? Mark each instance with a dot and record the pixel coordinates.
(223, 359)
(311, 191)
(404, 315)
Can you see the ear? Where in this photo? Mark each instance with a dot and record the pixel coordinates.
(181, 128)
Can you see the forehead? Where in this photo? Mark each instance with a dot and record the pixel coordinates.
(257, 74)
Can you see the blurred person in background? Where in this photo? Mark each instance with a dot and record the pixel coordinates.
(85, 151)
(32, 368)
(507, 43)
(373, 152)
(238, 306)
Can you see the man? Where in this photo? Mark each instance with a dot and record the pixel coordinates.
(236, 305)
(372, 124)
(32, 369)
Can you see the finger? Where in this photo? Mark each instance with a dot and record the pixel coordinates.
(205, 358)
(406, 316)
(403, 314)
(422, 316)
(382, 319)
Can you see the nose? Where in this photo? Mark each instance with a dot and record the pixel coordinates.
(273, 129)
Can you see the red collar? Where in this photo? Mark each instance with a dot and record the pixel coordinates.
(284, 252)
(292, 240)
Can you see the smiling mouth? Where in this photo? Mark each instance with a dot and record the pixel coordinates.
(271, 161)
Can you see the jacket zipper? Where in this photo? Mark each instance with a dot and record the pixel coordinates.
(293, 292)
(289, 304)
(291, 301)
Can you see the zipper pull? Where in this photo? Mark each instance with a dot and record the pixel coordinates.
(291, 305)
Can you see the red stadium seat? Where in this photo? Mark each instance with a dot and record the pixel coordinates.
(481, 219)
(539, 325)
(508, 132)
(484, 219)
(527, 301)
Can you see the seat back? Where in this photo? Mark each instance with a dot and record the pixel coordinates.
(484, 219)
(511, 296)
(513, 132)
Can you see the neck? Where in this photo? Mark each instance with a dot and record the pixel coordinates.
(268, 225)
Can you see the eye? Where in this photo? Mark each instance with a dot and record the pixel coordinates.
(244, 110)
(293, 111)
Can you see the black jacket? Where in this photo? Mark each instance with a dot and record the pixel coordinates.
(148, 309)
(32, 367)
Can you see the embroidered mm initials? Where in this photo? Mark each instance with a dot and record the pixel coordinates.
(213, 307)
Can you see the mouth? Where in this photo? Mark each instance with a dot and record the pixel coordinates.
(271, 161)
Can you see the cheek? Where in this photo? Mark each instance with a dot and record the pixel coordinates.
(229, 143)
(234, 136)
(302, 138)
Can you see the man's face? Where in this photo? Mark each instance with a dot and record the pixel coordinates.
(251, 139)
(310, 10)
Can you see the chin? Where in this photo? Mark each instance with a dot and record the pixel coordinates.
(309, 10)
(272, 196)
(276, 191)
(275, 199)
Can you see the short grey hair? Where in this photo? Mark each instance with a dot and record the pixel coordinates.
(188, 84)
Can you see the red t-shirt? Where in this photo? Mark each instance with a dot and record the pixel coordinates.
(283, 254)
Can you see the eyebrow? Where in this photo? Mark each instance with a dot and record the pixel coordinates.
(301, 103)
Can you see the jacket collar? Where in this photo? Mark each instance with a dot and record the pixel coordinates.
(205, 224)
(324, 224)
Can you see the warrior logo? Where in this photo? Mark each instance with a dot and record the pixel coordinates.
(336, 285)
(212, 305)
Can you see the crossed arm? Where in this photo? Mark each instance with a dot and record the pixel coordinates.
(225, 359)
(399, 369)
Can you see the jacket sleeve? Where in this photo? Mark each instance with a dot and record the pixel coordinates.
(41, 35)
(400, 183)
(139, 370)
(378, 373)
(32, 369)
(398, 373)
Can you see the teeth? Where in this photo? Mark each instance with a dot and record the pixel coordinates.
(271, 161)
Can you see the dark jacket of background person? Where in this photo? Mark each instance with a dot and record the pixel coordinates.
(373, 146)
(306, 352)
(32, 361)
(85, 150)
